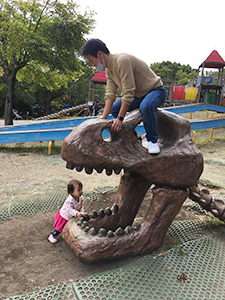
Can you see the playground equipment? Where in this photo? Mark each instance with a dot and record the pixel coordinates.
(213, 61)
(64, 112)
(57, 130)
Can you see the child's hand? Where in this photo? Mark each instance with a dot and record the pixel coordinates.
(79, 214)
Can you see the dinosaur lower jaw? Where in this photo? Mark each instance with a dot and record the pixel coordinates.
(111, 234)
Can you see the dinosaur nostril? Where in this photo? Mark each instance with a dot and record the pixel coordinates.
(106, 135)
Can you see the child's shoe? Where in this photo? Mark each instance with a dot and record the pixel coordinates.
(52, 240)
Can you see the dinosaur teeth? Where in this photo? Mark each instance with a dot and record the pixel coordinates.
(80, 221)
(84, 224)
(88, 170)
(215, 212)
(108, 172)
(86, 229)
(69, 166)
(128, 229)
(102, 232)
(108, 211)
(203, 201)
(79, 169)
(86, 217)
(101, 213)
(117, 171)
(119, 231)
(136, 226)
(195, 195)
(115, 208)
(92, 231)
(110, 233)
(94, 214)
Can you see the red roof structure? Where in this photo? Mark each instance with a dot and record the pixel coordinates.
(99, 78)
(214, 60)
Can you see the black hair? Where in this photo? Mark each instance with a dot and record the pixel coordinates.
(71, 185)
(92, 47)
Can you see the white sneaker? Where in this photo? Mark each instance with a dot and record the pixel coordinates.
(52, 239)
(153, 148)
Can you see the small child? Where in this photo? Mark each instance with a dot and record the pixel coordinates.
(72, 207)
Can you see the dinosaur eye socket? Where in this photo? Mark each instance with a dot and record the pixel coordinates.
(106, 135)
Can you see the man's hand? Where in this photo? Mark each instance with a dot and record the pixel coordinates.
(116, 124)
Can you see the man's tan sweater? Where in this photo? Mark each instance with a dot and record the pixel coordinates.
(132, 75)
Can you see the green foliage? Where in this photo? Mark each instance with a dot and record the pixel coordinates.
(181, 74)
(41, 40)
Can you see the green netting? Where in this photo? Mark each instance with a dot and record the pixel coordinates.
(151, 277)
(60, 291)
(105, 189)
(155, 277)
(27, 198)
(187, 230)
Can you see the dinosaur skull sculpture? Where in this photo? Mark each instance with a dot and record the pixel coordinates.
(111, 234)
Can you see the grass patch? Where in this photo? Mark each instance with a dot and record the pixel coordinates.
(34, 148)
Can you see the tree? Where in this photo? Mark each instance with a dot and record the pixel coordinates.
(181, 74)
(40, 39)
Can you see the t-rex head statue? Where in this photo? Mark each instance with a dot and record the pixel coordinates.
(111, 232)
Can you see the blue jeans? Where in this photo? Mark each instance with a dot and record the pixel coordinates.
(148, 105)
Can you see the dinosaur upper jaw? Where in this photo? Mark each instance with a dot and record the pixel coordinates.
(179, 156)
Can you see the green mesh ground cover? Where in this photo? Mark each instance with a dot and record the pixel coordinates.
(27, 198)
(151, 277)
(155, 277)
(60, 291)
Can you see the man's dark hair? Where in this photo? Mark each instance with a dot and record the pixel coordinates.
(92, 47)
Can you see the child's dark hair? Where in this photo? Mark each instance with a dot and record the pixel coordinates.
(71, 185)
(92, 47)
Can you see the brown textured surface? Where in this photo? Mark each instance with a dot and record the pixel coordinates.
(173, 171)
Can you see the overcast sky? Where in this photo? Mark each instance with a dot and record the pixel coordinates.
(185, 32)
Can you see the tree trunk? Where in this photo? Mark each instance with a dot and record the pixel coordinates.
(9, 100)
(47, 103)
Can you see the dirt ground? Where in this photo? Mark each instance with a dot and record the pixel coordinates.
(28, 261)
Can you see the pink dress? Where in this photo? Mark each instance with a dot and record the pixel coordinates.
(69, 209)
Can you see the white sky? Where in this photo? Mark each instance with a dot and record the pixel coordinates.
(179, 31)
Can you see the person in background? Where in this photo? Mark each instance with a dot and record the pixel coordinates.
(96, 108)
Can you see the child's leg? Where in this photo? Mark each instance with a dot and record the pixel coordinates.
(55, 232)
(52, 236)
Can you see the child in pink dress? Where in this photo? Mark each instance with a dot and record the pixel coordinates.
(72, 207)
